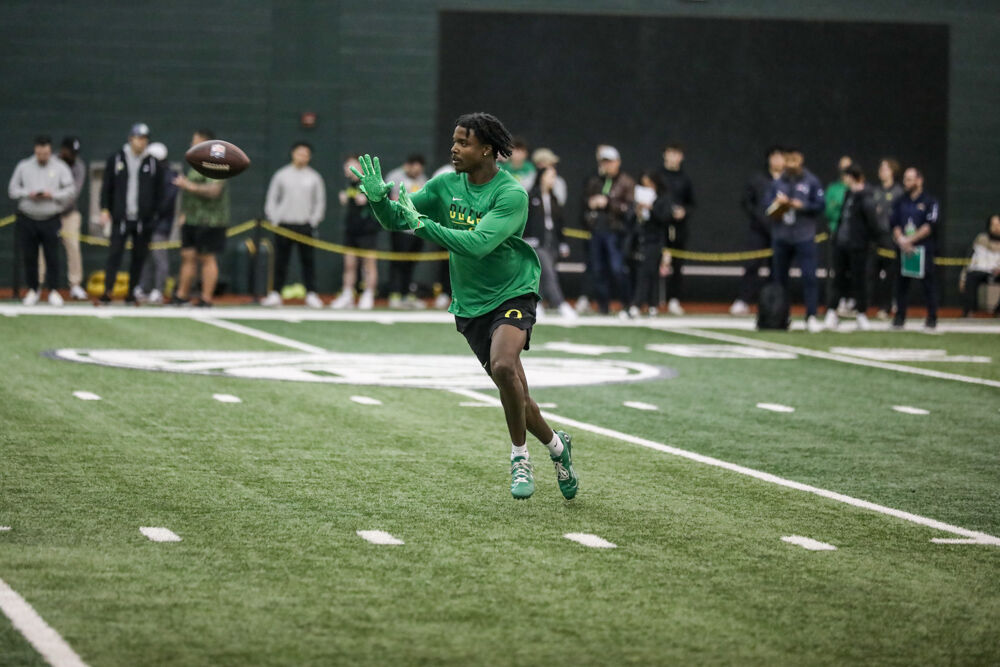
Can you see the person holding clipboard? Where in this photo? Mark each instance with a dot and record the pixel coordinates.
(914, 220)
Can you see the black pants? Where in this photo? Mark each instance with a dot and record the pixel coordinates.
(930, 293)
(283, 251)
(750, 282)
(401, 271)
(646, 275)
(849, 266)
(677, 237)
(33, 233)
(973, 279)
(139, 231)
(882, 272)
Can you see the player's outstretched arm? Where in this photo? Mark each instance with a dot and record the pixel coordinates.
(495, 227)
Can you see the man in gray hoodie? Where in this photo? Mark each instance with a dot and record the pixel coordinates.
(43, 186)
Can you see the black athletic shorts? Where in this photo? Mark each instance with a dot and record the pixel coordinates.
(365, 239)
(518, 312)
(205, 240)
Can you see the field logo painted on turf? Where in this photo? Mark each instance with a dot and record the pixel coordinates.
(435, 371)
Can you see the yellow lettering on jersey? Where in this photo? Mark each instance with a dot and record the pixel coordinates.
(513, 313)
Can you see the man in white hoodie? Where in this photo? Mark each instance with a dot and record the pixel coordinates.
(296, 201)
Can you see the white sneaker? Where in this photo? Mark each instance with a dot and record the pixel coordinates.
(77, 293)
(139, 294)
(739, 307)
(55, 298)
(272, 300)
(31, 298)
(582, 305)
(367, 300)
(412, 302)
(653, 311)
(674, 307)
(395, 300)
(813, 325)
(156, 297)
(623, 314)
(567, 311)
(343, 301)
(313, 300)
(862, 322)
(832, 319)
(633, 311)
(442, 301)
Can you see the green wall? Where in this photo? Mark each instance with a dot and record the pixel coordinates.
(249, 68)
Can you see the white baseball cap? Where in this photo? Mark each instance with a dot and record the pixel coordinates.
(608, 153)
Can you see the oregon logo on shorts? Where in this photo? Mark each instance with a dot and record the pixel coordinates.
(513, 313)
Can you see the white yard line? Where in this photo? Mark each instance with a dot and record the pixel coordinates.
(588, 540)
(157, 534)
(379, 537)
(639, 405)
(978, 537)
(227, 398)
(775, 407)
(808, 543)
(908, 410)
(86, 395)
(263, 335)
(39, 634)
(366, 400)
(819, 354)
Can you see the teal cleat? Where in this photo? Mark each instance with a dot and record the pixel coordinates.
(569, 481)
(522, 479)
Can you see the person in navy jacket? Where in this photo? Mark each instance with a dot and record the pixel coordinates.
(793, 231)
(914, 221)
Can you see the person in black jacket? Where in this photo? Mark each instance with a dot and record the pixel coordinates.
(652, 219)
(857, 231)
(681, 194)
(544, 232)
(754, 204)
(131, 196)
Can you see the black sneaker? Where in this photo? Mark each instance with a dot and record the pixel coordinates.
(930, 325)
(897, 324)
(177, 301)
(203, 304)
(104, 300)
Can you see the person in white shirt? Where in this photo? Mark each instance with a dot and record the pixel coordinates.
(296, 201)
(43, 186)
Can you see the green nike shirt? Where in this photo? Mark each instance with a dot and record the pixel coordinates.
(481, 227)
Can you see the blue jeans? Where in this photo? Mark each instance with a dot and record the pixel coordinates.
(607, 267)
(805, 253)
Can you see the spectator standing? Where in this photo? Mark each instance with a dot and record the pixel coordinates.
(681, 193)
(796, 201)
(833, 205)
(543, 231)
(410, 176)
(42, 185)
(607, 204)
(131, 195)
(544, 158)
(653, 213)
(296, 201)
(69, 230)
(361, 230)
(518, 165)
(915, 218)
(984, 266)
(203, 218)
(754, 204)
(154, 274)
(855, 232)
(882, 274)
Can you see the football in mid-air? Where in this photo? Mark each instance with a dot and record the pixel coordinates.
(217, 159)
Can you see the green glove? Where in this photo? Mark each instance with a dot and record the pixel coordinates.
(371, 179)
(409, 212)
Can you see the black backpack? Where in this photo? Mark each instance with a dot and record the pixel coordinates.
(772, 313)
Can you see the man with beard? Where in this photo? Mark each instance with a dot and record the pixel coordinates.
(796, 203)
(914, 221)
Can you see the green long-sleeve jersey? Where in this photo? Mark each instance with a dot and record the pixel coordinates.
(481, 227)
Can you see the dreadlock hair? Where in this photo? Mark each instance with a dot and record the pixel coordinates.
(489, 130)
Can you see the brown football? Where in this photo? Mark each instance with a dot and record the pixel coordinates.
(217, 159)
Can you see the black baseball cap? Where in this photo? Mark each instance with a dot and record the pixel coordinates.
(72, 143)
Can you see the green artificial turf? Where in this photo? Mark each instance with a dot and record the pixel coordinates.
(267, 495)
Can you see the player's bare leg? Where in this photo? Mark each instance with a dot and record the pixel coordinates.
(209, 277)
(189, 267)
